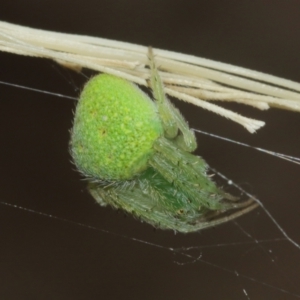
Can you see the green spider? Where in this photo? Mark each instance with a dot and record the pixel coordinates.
(136, 155)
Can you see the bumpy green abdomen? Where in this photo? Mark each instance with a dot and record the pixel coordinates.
(114, 129)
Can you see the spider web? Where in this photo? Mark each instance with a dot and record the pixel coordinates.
(254, 255)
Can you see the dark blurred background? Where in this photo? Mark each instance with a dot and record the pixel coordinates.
(46, 258)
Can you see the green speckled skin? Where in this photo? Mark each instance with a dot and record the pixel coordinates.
(114, 129)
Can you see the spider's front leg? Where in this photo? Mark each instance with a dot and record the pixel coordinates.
(172, 158)
(171, 118)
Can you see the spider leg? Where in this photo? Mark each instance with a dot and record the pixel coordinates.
(172, 119)
(187, 172)
(218, 217)
(148, 199)
(200, 189)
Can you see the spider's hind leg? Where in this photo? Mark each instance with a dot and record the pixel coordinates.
(149, 198)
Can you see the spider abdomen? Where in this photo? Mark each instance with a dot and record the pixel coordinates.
(114, 129)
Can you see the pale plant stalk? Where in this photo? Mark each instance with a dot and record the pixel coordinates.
(192, 79)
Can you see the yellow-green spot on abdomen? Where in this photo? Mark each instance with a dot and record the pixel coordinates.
(114, 129)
